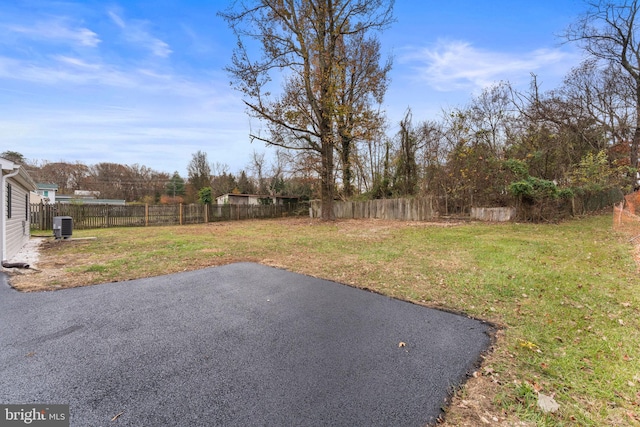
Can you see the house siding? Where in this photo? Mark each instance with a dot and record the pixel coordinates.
(252, 199)
(17, 227)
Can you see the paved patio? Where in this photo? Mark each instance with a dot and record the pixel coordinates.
(241, 344)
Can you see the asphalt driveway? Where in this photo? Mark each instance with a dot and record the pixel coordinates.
(237, 345)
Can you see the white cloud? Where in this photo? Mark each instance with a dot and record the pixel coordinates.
(135, 32)
(116, 19)
(76, 62)
(198, 44)
(157, 130)
(455, 65)
(57, 30)
(63, 70)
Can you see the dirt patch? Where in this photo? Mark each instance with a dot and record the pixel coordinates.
(47, 268)
(473, 406)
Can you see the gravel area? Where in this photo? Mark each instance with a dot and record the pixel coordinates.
(29, 253)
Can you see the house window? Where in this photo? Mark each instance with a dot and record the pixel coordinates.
(8, 200)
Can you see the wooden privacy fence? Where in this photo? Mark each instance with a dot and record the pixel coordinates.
(86, 216)
(494, 214)
(418, 209)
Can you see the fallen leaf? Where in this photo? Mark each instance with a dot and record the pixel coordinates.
(547, 403)
(529, 345)
(402, 344)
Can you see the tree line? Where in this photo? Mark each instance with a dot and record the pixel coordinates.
(531, 147)
(141, 184)
(506, 146)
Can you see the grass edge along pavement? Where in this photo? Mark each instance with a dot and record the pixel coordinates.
(567, 295)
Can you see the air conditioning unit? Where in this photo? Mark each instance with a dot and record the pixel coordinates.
(62, 227)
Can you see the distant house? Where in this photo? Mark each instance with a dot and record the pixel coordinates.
(254, 199)
(84, 197)
(15, 192)
(47, 192)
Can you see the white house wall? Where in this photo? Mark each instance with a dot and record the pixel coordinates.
(250, 199)
(17, 227)
(238, 200)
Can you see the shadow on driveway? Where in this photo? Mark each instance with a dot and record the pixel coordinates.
(240, 345)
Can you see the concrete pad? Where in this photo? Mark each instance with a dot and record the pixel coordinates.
(241, 344)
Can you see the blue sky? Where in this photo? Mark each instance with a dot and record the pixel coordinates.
(143, 82)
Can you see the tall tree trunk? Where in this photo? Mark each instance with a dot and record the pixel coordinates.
(635, 143)
(326, 181)
(347, 175)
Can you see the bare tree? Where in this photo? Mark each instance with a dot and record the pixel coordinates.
(406, 179)
(257, 166)
(590, 112)
(68, 176)
(605, 96)
(300, 41)
(432, 156)
(110, 180)
(361, 84)
(372, 161)
(490, 115)
(199, 171)
(609, 32)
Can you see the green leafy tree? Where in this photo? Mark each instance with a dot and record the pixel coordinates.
(245, 185)
(14, 156)
(593, 172)
(205, 196)
(175, 186)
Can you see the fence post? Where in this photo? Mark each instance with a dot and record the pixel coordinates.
(41, 218)
(146, 214)
(180, 214)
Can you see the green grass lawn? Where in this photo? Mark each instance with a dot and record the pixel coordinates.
(566, 296)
